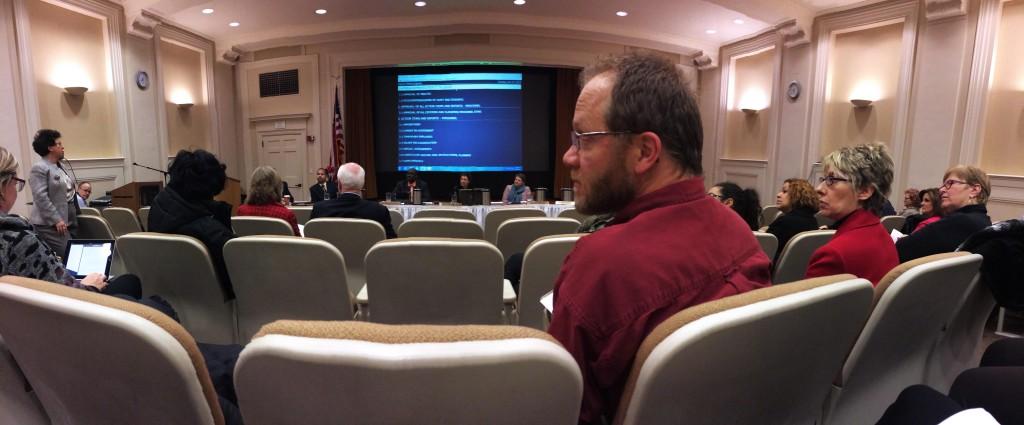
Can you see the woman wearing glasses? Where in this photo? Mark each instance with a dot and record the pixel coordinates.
(852, 192)
(53, 192)
(964, 191)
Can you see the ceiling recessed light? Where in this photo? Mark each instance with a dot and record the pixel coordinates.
(519, 2)
(420, 3)
(711, 31)
(234, 24)
(622, 13)
(207, 11)
(320, 11)
(738, 21)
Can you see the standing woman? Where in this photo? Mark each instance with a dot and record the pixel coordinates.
(53, 195)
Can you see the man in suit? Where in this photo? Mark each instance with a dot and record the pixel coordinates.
(404, 188)
(84, 191)
(350, 204)
(323, 189)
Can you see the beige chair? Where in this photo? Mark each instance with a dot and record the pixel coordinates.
(445, 213)
(495, 217)
(18, 403)
(441, 228)
(144, 218)
(302, 214)
(434, 281)
(893, 222)
(318, 373)
(179, 269)
(122, 221)
(255, 226)
(89, 211)
(93, 227)
(396, 219)
(958, 350)
(769, 214)
(769, 243)
(312, 287)
(913, 303)
(514, 235)
(761, 357)
(574, 214)
(94, 359)
(541, 264)
(822, 220)
(796, 255)
(353, 237)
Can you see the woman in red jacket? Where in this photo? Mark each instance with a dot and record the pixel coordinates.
(852, 192)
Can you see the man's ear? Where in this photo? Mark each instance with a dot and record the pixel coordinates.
(650, 149)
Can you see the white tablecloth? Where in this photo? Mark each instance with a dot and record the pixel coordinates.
(480, 211)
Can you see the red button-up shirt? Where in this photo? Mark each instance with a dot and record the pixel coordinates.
(272, 211)
(666, 251)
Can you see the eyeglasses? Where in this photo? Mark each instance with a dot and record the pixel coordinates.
(576, 136)
(20, 183)
(831, 180)
(948, 184)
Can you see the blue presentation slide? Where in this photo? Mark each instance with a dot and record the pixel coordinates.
(469, 121)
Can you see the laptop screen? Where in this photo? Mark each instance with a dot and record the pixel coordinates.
(88, 256)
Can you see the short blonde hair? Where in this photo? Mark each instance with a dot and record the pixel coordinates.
(264, 186)
(867, 165)
(8, 167)
(973, 176)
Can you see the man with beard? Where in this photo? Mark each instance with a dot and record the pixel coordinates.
(636, 153)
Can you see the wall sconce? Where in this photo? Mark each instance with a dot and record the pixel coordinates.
(861, 103)
(76, 90)
(865, 93)
(750, 111)
(753, 101)
(184, 106)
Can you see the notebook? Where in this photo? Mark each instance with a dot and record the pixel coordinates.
(84, 256)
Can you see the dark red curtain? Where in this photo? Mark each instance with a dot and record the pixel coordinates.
(567, 89)
(358, 93)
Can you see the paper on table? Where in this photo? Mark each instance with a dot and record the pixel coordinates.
(548, 301)
(896, 234)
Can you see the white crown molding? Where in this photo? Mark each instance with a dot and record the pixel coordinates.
(981, 71)
(704, 62)
(935, 10)
(792, 33)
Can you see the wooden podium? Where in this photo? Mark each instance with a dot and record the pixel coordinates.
(135, 195)
(231, 194)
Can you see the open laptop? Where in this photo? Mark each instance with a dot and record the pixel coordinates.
(84, 256)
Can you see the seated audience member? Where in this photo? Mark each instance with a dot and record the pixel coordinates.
(911, 202)
(857, 179)
(636, 153)
(798, 202)
(323, 189)
(404, 188)
(464, 183)
(517, 192)
(930, 211)
(887, 209)
(84, 191)
(514, 264)
(186, 207)
(964, 191)
(265, 198)
(286, 195)
(350, 204)
(745, 202)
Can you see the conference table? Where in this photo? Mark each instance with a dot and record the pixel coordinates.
(479, 211)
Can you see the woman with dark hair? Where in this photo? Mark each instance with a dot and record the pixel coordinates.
(54, 210)
(798, 203)
(265, 198)
(930, 211)
(964, 192)
(186, 207)
(517, 192)
(745, 202)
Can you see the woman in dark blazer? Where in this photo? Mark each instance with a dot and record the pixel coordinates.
(798, 203)
(852, 192)
(964, 191)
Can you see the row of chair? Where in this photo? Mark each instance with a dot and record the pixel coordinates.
(771, 213)
(766, 356)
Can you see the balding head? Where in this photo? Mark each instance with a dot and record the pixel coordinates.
(351, 177)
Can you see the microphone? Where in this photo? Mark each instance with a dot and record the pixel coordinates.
(150, 168)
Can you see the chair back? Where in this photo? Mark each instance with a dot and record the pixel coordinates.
(445, 213)
(93, 227)
(893, 222)
(574, 214)
(495, 217)
(179, 269)
(18, 404)
(436, 281)
(144, 218)
(313, 286)
(769, 243)
(302, 214)
(353, 237)
(690, 367)
(396, 218)
(769, 214)
(352, 372)
(514, 235)
(122, 221)
(958, 349)
(441, 228)
(255, 226)
(541, 264)
(95, 359)
(913, 303)
(89, 211)
(796, 255)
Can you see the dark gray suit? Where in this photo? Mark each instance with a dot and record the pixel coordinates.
(350, 205)
(50, 204)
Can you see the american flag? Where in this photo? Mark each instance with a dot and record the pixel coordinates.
(337, 140)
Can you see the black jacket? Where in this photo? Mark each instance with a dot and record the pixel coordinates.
(350, 205)
(944, 235)
(1002, 269)
(208, 221)
(316, 193)
(402, 190)
(789, 224)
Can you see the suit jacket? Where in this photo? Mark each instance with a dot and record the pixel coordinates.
(351, 205)
(316, 193)
(860, 247)
(49, 194)
(402, 190)
(944, 235)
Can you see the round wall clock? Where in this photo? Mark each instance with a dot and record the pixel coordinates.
(793, 91)
(142, 80)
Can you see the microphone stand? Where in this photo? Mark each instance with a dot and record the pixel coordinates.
(152, 169)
